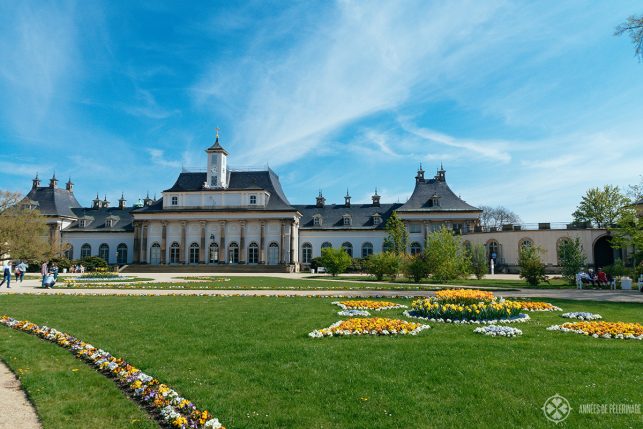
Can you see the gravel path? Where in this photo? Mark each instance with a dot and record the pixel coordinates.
(16, 411)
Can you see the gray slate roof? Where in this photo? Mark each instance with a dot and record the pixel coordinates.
(237, 181)
(53, 201)
(332, 215)
(424, 191)
(124, 220)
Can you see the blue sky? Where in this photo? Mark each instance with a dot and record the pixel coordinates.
(527, 104)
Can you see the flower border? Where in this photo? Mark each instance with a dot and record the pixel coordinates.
(390, 307)
(551, 308)
(498, 331)
(353, 313)
(561, 328)
(581, 315)
(327, 332)
(162, 402)
(521, 318)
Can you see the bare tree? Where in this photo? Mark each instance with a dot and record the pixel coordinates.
(633, 27)
(495, 217)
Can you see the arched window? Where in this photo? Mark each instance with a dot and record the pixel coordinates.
(69, 253)
(326, 245)
(273, 254)
(233, 253)
(121, 254)
(560, 251)
(155, 254)
(416, 248)
(194, 253)
(367, 249)
(493, 250)
(214, 253)
(306, 253)
(525, 243)
(253, 253)
(348, 248)
(174, 253)
(103, 252)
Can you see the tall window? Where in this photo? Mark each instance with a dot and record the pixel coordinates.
(416, 248)
(121, 254)
(233, 253)
(493, 250)
(69, 253)
(559, 248)
(194, 253)
(525, 243)
(348, 248)
(273, 254)
(306, 253)
(85, 250)
(326, 245)
(103, 252)
(367, 249)
(253, 253)
(174, 253)
(214, 253)
(386, 247)
(155, 254)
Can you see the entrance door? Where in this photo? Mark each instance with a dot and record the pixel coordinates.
(273, 254)
(233, 253)
(155, 254)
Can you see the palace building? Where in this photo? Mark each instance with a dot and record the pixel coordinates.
(243, 217)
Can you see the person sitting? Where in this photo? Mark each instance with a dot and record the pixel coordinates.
(587, 278)
(49, 280)
(601, 278)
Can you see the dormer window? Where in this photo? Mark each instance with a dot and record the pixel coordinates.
(434, 201)
(85, 221)
(111, 221)
(317, 220)
(82, 223)
(347, 220)
(175, 201)
(377, 219)
(253, 200)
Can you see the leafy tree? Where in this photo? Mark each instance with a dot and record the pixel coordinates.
(572, 259)
(398, 236)
(532, 268)
(600, 206)
(479, 261)
(633, 27)
(446, 256)
(495, 217)
(94, 263)
(23, 231)
(416, 267)
(336, 261)
(383, 264)
(628, 233)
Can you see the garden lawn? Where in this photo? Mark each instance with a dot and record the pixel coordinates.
(249, 361)
(554, 283)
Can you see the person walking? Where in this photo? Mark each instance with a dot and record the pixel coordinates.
(23, 268)
(43, 271)
(6, 274)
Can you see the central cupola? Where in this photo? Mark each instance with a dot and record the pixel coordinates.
(217, 176)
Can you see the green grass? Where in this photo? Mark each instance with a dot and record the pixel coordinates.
(249, 361)
(554, 283)
(245, 283)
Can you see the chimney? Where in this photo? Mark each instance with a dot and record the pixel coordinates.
(376, 199)
(347, 199)
(121, 202)
(321, 201)
(69, 185)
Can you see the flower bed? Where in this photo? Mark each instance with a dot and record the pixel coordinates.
(165, 404)
(516, 319)
(369, 326)
(353, 313)
(368, 305)
(494, 311)
(537, 306)
(582, 315)
(620, 330)
(498, 331)
(463, 296)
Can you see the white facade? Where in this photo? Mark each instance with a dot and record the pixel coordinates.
(97, 239)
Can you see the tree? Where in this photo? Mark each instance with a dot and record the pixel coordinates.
(532, 268)
(634, 28)
(600, 207)
(416, 267)
(94, 263)
(495, 217)
(635, 192)
(398, 236)
(335, 260)
(446, 256)
(628, 233)
(23, 231)
(479, 261)
(383, 264)
(572, 259)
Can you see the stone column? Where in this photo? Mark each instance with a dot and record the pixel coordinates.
(223, 254)
(293, 254)
(202, 250)
(282, 243)
(182, 250)
(137, 243)
(242, 242)
(163, 242)
(146, 227)
(262, 243)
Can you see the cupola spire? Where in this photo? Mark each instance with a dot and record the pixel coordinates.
(320, 200)
(420, 176)
(376, 199)
(347, 199)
